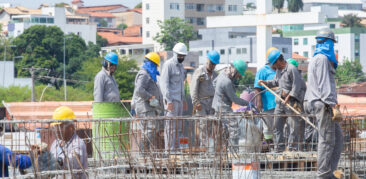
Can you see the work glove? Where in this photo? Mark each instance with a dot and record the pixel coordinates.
(154, 102)
(337, 114)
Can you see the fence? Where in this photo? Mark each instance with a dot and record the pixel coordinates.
(135, 148)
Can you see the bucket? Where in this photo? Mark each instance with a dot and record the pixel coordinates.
(246, 170)
(110, 137)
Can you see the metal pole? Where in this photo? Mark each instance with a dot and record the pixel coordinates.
(65, 71)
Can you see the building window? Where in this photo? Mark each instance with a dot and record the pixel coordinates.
(190, 6)
(357, 53)
(42, 20)
(147, 34)
(147, 6)
(130, 52)
(233, 8)
(200, 7)
(147, 20)
(296, 41)
(220, 7)
(284, 50)
(229, 51)
(357, 38)
(35, 20)
(50, 20)
(190, 20)
(200, 21)
(238, 51)
(305, 41)
(211, 8)
(306, 54)
(222, 51)
(200, 53)
(296, 52)
(244, 50)
(332, 26)
(174, 6)
(122, 51)
(109, 20)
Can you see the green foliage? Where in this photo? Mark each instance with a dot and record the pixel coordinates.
(174, 30)
(124, 75)
(250, 6)
(245, 82)
(101, 41)
(351, 20)
(103, 23)
(349, 72)
(122, 26)
(61, 4)
(139, 5)
(278, 4)
(15, 94)
(294, 5)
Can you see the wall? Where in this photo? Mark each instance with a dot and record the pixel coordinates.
(238, 3)
(129, 18)
(7, 76)
(154, 13)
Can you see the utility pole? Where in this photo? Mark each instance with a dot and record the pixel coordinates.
(32, 71)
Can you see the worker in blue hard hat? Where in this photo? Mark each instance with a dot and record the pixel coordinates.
(105, 86)
(291, 87)
(202, 93)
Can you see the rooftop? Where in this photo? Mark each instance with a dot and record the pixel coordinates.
(138, 10)
(116, 39)
(133, 31)
(101, 14)
(19, 10)
(99, 8)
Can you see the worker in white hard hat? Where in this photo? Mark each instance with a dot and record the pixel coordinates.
(172, 88)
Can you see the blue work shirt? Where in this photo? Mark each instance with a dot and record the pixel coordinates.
(6, 159)
(268, 99)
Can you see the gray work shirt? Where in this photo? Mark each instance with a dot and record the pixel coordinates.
(71, 149)
(172, 81)
(225, 94)
(105, 88)
(321, 81)
(201, 88)
(290, 81)
(145, 88)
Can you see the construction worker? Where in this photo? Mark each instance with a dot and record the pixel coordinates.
(266, 100)
(322, 96)
(9, 158)
(203, 91)
(225, 95)
(172, 87)
(68, 148)
(292, 89)
(147, 97)
(105, 86)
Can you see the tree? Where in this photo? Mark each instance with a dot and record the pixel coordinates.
(278, 4)
(103, 23)
(139, 5)
(351, 20)
(245, 82)
(174, 30)
(294, 5)
(349, 72)
(61, 4)
(125, 75)
(250, 5)
(122, 26)
(42, 46)
(101, 41)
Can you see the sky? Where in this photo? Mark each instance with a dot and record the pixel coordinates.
(37, 3)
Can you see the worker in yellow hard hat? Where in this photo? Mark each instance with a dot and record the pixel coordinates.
(147, 98)
(68, 148)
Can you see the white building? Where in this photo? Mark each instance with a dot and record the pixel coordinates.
(7, 76)
(54, 16)
(340, 4)
(234, 43)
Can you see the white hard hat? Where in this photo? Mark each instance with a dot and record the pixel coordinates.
(180, 48)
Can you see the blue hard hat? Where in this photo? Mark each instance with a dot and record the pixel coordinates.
(214, 56)
(112, 57)
(273, 56)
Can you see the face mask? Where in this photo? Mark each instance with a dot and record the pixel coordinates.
(180, 60)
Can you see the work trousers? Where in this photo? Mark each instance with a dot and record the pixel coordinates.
(173, 128)
(150, 130)
(205, 127)
(268, 124)
(330, 143)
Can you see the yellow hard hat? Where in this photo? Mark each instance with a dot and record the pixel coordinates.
(62, 112)
(154, 57)
(270, 50)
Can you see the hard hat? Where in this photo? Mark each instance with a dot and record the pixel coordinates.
(62, 112)
(180, 48)
(112, 57)
(326, 33)
(154, 57)
(241, 66)
(293, 62)
(273, 56)
(214, 56)
(269, 51)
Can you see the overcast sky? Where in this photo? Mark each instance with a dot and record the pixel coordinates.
(36, 3)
